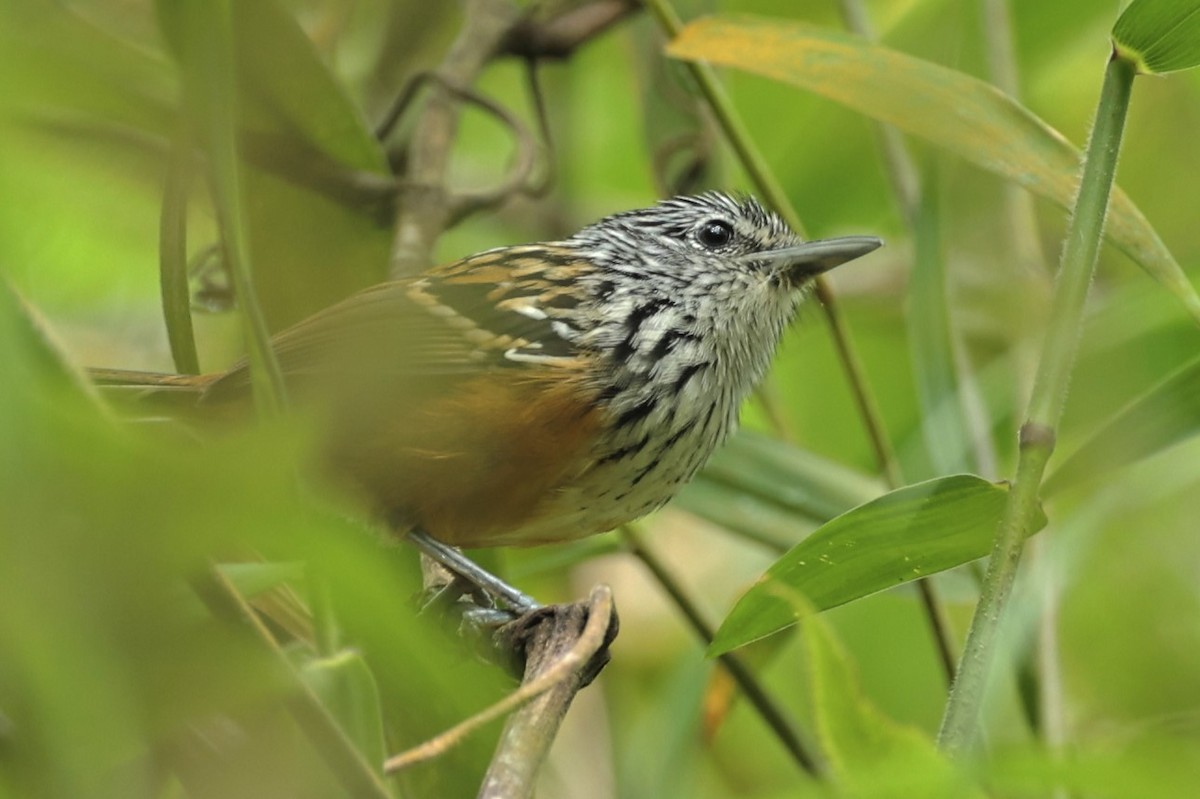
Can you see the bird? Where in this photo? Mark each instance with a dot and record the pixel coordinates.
(540, 392)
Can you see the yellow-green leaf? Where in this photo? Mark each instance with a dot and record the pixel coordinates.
(962, 114)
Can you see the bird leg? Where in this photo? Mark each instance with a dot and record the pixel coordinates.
(460, 566)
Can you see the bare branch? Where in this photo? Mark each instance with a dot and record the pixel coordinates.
(560, 36)
(565, 646)
(424, 203)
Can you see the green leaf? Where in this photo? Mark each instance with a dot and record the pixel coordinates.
(36, 361)
(955, 111)
(346, 687)
(255, 578)
(902, 536)
(870, 754)
(1165, 415)
(1159, 35)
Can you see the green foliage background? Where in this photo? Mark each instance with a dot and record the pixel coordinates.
(117, 678)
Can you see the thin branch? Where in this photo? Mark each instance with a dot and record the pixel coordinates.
(901, 170)
(424, 207)
(1018, 203)
(557, 653)
(549, 665)
(771, 713)
(559, 37)
(172, 256)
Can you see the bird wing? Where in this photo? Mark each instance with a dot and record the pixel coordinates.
(489, 311)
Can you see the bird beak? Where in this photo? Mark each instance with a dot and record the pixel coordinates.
(814, 257)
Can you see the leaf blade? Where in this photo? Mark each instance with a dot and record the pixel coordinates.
(902, 536)
(1159, 36)
(1166, 414)
(955, 111)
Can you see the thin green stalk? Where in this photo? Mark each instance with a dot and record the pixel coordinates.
(764, 179)
(897, 160)
(1018, 203)
(1045, 717)
(771, 713)
(172, 257)
(961, 720)
(219, 101)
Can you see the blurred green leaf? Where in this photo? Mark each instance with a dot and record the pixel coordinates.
(346, 687)
(869, 754)
(252, 579)
(40, 363)
(951, 109)
(58, 66)
(902, 536)
(1165, 415)
(1155, 765)
(1159, 35)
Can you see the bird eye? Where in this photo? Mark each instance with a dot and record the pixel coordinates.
(715, 233)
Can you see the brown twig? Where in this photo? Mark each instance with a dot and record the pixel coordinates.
(491, 28)
(462, 203)
(558, 652)
(559, 36)
(773, 715)
(424, 207)
(571, 643)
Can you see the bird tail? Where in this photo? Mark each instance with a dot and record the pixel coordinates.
(128, 378)
(153, 389)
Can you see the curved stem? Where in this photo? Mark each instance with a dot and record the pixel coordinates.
(961, 720)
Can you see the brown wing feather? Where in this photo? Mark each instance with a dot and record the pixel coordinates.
(454, 321)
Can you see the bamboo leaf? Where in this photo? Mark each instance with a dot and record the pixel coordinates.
(902, 536)
(1159, 35)
(1165, 415)
(955, 111)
